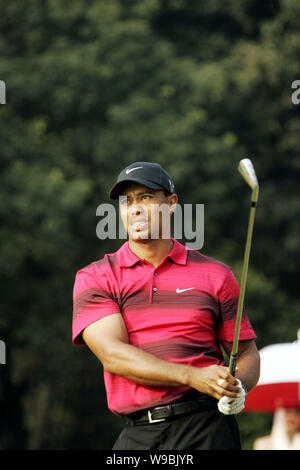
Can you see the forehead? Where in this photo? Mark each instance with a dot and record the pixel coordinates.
(292, 410)
(134, 189)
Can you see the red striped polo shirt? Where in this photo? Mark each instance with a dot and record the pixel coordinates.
(180, 311)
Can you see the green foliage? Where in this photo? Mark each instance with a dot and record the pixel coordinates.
(91, 87)
(252, 426)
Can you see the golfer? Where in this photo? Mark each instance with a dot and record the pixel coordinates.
(157, 316)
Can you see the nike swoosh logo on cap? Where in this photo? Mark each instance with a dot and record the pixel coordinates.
(131, 169)
(183, 290)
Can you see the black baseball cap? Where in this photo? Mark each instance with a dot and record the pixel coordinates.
(151, 175)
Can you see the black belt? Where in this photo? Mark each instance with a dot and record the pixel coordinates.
(166, 412)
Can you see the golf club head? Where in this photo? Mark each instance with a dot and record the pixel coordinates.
(247, 171)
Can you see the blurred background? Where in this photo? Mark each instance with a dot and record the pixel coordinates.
(92, 86)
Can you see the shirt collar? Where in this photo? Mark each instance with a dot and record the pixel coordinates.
(127, 258)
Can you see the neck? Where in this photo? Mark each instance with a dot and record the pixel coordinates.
(152, 251)
(291, 435)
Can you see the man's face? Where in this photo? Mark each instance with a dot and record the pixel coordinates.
(145, 212)
(292, 419)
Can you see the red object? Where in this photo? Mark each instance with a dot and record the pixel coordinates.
(268, 397)
(179, 311)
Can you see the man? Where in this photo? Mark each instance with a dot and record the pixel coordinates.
(156, 315)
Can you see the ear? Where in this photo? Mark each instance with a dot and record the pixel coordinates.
(173, 200)
(173, 208)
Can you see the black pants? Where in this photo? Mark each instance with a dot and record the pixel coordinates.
(206, 430)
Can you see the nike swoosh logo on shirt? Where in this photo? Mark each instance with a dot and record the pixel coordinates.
(131, 169)
(183, 290)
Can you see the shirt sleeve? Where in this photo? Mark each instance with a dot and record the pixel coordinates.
(91, 302)
(228, 303)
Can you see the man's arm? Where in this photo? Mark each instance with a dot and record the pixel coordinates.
(107, 338)
(248, 362)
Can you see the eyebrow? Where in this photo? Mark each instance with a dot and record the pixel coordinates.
(151, 191)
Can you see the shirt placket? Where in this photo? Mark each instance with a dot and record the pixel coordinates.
(152, 283)
(154, 288)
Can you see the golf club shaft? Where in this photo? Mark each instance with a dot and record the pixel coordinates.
(234, 352)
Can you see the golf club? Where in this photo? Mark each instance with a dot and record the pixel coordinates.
(246, 169)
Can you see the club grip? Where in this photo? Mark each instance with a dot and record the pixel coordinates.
(232, 363)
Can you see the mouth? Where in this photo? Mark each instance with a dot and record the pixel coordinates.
(139, 225)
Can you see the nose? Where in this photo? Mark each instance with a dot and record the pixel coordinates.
(135, 209)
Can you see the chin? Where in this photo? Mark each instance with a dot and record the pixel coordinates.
(139, 236)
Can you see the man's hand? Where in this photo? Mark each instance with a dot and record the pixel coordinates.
(233, 406)
(215, 381)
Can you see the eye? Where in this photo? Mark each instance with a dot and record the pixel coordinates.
(124, 201)
(147, 196)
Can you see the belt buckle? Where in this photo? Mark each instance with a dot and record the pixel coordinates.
(154, 420)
